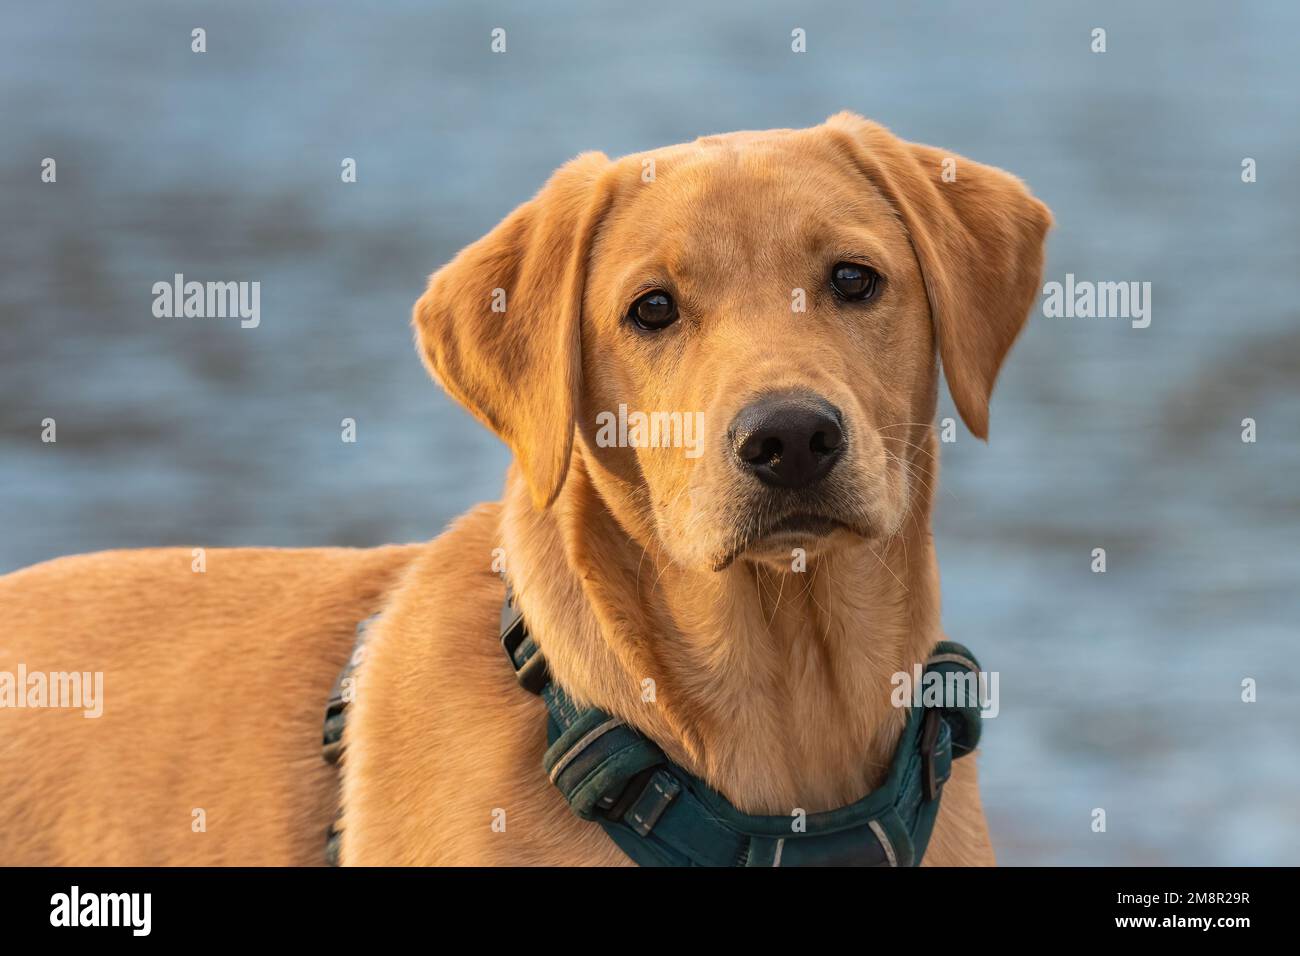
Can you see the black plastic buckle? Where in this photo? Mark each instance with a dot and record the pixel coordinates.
(534, 674)
(642, 801)
(929, 738)
(612, 807)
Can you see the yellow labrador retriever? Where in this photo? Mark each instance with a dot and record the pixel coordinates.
(716, 365)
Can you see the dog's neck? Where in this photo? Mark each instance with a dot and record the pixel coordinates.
(773, 687)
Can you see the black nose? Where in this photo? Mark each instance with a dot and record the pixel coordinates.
(790, 440)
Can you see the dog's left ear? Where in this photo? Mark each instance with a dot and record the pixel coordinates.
(978, 236)
(499, 326)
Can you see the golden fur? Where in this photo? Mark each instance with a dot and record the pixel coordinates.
(632, 564)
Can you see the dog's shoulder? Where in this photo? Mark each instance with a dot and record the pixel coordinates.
(443, 748)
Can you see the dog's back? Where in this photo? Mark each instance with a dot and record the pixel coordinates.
(232, 653)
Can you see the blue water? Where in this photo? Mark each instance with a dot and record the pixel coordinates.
(1120, 691)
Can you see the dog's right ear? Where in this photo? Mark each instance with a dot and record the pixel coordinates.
(499, 326)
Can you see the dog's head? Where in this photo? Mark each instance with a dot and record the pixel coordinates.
(742, 332)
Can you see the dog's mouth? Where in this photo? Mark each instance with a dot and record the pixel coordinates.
(785, 530)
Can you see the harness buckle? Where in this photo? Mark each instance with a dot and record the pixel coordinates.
(533, 673)
(643, 800)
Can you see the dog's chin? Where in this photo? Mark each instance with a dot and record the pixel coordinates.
(780, 543)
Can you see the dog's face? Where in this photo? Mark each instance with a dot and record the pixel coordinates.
(743, 330)
(760, 289)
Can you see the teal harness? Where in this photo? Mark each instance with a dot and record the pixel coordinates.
(661, 815)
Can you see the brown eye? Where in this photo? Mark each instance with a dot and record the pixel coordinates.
(854, 283)
(653, 311)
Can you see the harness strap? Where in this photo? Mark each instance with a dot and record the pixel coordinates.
(332, 742)
(594, 760)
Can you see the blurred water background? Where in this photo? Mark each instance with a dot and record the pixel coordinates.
(1119, 690)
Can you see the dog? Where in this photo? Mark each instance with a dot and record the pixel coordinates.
(740, 597)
